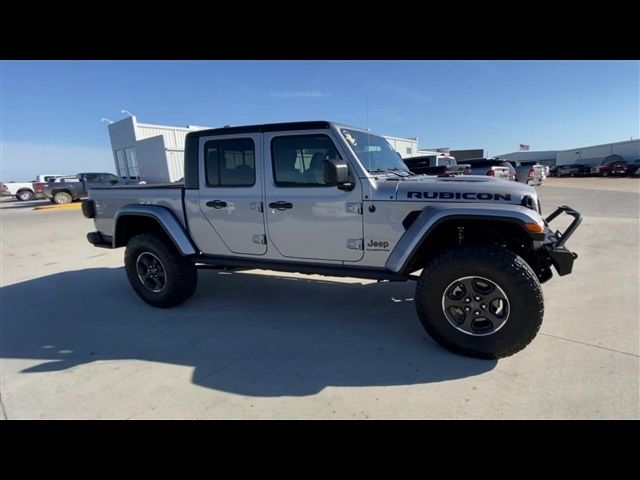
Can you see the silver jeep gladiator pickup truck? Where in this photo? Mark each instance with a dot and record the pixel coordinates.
(324, 198)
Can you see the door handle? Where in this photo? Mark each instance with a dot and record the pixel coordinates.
(280, 205)
(217, 204)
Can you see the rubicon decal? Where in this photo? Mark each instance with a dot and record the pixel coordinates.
(460, 196)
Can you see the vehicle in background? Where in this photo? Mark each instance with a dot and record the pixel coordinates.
(492, 167)
(531, 173)
(611, 165)
(633, 168)
(47, 178)
(436, 165)
(573, 170)
(67, 189)
(131, 181)
(41, 182)
(25, 191)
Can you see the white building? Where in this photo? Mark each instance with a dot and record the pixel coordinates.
(406, 147)
(544, 157)
(629, 150)
(155, 153)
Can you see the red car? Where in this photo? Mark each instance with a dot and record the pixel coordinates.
(612, 165)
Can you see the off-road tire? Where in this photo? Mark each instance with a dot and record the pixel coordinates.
(499, 265)
(181, 274)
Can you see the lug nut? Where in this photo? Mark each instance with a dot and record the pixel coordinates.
(477, 299)
(477, 312)
(467, 300)
(467, 308)
(483, 306)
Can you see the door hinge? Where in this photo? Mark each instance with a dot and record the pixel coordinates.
(260, 239)
(355, 244)
(354, 208)
(256, 206)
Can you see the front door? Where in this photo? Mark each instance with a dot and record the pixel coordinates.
(306, 218)
(231, 192)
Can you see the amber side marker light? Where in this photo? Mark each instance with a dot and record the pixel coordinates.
(534, 227)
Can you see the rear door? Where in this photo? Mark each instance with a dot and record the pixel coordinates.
(230, 195)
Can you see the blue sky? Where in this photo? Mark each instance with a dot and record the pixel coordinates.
(51, 111)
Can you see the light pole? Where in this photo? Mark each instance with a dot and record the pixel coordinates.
(107, 120)
(127, 112)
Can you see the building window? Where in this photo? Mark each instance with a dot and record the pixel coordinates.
(409, 151)
(230, 163)
(132, 162)
(121, 163)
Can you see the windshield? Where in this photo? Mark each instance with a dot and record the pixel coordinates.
(374, 152)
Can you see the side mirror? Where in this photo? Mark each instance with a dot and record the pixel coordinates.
(114, 181)
(336, 172)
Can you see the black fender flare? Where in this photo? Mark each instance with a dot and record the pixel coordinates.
(164, 217)
(432, 216)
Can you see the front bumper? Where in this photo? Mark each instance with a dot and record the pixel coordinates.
(561, 257)
(534, 181)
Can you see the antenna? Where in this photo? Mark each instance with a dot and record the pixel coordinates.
(107, 120)
(366, 102)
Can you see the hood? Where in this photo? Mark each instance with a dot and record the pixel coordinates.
(459, 189)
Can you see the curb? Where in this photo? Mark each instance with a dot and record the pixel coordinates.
(67, 206)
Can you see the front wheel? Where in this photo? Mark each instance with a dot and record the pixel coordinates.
(480, 301)
(157, 272)
(604, 174)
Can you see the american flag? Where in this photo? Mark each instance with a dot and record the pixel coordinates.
(524, 147)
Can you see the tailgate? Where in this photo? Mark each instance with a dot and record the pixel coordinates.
(501, 172)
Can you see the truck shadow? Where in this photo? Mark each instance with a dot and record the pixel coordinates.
(246, 333)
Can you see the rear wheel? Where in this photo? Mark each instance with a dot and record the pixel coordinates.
(157, 272)
(604, 174)
(481, 301)
(60, 198)
(25, 195)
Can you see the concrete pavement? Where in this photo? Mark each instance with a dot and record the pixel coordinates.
(78, 343)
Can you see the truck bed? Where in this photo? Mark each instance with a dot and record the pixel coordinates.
(109, 199)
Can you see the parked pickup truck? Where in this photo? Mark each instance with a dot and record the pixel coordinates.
(323, 198)
(492, 167)
(24, 191)
(436, 165)
(531, 173)
(67, 189)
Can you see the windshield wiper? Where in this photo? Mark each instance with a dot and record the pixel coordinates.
(408, 172)
(394, 170)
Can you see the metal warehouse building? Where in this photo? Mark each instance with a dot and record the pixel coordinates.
(544, 157)
(406, 147)
(629, 150)
(155, 153)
